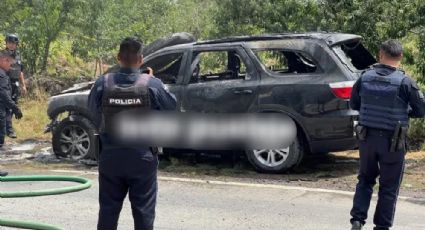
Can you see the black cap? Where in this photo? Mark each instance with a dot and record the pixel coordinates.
(12, 38)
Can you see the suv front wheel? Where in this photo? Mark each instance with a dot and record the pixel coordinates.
(75, 138)
(276, 160)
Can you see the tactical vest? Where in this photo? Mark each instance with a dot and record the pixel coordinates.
(16, 68)
(118, 98)
(381, 106)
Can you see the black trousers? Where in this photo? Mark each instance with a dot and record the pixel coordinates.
(3, 115)
(376, 160)
(9, 116)
(127, 172)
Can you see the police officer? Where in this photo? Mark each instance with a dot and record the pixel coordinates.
(127, 169)
(16, 78)
(386, 97)
(6, 102)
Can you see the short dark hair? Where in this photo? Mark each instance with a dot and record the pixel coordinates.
(130, 50)
(392, 48)
(7, 53)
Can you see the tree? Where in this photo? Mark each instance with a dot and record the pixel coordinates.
(240, 17)
(375, 20)
(38, 23)
(54, 19)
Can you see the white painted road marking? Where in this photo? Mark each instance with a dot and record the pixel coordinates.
(241, 184)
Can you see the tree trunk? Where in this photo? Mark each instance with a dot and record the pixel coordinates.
(45, 55)
(101, 66)
(95, 69)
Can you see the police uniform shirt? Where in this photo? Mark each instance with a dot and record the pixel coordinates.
(161, 98)
(17, 67)
(5, 91)
(409, 92)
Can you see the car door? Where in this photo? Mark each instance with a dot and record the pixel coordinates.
(219, 80)
(302, 82)
(170, 68)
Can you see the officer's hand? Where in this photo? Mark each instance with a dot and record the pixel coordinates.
(24, 91)
(150, 71)
(18, 113)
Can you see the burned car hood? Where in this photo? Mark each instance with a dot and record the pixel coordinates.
(84, 86)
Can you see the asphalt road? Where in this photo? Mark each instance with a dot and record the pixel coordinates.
(185, 205)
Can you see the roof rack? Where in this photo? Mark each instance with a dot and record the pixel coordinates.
(272, 36)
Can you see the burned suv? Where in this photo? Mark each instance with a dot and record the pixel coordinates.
(308, 77)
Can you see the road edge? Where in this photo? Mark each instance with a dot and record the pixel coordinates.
(251, 185)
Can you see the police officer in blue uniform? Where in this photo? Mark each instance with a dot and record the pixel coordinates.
(386, 98)
(6, 102)
(17, 80)
(127, 169)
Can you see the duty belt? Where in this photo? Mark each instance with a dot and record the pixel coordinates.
(379, 132)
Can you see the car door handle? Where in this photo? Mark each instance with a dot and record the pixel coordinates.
(245, 91)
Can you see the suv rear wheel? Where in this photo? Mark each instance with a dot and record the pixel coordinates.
(74, 138)
(276, 160)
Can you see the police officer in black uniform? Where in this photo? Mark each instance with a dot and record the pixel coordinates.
(126, 169)
(6, 102)
(16, 78)
(386, 98)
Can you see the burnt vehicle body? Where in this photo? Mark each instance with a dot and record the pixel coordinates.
(305, 76)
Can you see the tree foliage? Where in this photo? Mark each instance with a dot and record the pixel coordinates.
(91, 29)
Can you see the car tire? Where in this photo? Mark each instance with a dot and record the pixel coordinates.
(175, 39)
(285, 159)
(75, 138)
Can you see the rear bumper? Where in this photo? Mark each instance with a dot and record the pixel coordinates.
(334, 145)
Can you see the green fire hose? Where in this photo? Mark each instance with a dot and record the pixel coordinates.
(84, 184)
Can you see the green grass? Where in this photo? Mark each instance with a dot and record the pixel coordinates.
(35, 118)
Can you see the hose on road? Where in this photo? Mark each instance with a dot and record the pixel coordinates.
(83, 184)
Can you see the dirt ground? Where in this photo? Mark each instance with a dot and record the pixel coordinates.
(331, 171)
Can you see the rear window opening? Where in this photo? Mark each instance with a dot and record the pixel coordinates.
(354, 55)
(286, 62)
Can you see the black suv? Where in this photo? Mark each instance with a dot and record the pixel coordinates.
(306, 76)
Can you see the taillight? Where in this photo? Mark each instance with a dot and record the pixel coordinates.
(342, 89)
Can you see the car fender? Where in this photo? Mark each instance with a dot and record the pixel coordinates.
(289, 112)
(76, 102)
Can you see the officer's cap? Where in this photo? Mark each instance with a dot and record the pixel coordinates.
(12, 38)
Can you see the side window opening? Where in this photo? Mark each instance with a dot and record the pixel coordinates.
(166, 67)
(217, 66)
(354, 55)
(286, 62)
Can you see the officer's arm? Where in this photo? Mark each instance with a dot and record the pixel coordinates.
(416, 101)
(22, 80)
(164, 99)
(4, 96)
(95, 101)
(22, 77)
(355, 96)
